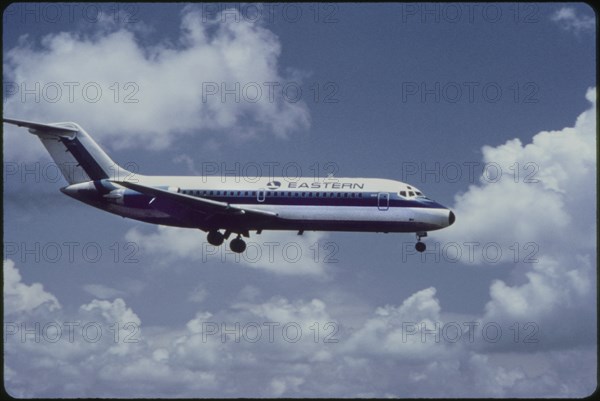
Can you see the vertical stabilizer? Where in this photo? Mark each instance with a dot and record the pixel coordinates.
(78, 156)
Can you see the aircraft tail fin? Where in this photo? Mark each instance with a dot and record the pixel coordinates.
(78, 156)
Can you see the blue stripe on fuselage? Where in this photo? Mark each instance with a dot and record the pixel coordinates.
(368, 199)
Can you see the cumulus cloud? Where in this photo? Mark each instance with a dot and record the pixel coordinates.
(544, 192)
(274, 347)
(20, 297)
(543, 208)
(569, 20)
(130, 94)
(102, 291)
(402, 331)
(273, 252)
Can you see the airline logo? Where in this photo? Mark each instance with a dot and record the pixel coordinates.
(327, 185)
(273, 184)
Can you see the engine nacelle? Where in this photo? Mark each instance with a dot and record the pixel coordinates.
(116, 196)
(128, 197)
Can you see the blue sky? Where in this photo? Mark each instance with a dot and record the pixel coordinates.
(412, 92)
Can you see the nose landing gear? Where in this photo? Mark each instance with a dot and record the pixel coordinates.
(420, 246)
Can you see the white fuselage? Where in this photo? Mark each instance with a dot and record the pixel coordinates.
(337, 204)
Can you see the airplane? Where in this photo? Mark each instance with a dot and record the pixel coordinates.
(222, 206)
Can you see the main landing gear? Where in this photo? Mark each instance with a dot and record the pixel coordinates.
(237, 245)
(420, 246)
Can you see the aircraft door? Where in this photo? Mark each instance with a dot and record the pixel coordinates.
(260, 195)
(383, 201)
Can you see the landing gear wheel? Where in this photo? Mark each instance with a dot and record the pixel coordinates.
(237, 245)
(420, 246)
(215, 238)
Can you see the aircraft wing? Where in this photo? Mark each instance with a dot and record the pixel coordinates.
(43, 128)
(186, 206)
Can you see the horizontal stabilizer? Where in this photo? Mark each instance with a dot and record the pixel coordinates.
(43, 128)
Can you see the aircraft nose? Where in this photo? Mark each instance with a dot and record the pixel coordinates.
(451, 218)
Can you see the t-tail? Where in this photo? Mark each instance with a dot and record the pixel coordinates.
(78, 156)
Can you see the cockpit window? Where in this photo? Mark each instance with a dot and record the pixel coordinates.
(411, 193)
(403, 193)
(418, 193)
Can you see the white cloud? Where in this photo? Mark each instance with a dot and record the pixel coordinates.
(552, 205)
(20, 297)
(198, 294)
(550, 201)
(115, 311)
(282, 253)
(217, 353)
(162, 90)
(410, 331)
(279, 386)
(102, 291)
(568, 19)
